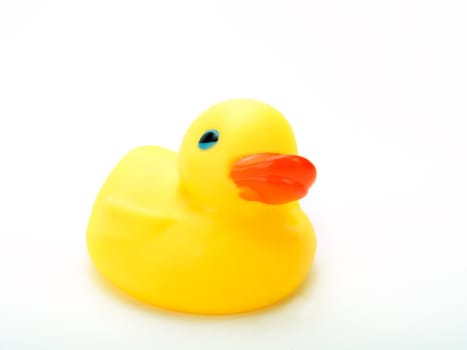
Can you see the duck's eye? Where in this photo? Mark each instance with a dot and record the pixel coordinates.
(208, 139)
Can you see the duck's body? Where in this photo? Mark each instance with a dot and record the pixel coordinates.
(157, 240)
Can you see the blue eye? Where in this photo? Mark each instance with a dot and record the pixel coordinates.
(209, 139)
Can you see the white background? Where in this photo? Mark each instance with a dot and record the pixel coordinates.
(376, 91)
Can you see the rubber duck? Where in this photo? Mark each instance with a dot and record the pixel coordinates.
(216, 228)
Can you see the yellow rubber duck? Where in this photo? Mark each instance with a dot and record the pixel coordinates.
(215, 228)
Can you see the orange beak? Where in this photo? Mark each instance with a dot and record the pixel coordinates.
(273, 178)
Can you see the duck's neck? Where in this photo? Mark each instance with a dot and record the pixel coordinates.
(235, 207)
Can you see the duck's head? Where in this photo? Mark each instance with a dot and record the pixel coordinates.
(242, 151)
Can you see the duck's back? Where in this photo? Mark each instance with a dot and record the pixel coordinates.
(147, 175)
(137, 197)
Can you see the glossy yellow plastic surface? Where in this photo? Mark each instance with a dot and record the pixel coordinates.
(193, 231)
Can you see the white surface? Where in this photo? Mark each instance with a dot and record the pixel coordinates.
(376, 91)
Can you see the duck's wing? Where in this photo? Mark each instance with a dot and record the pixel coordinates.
(139, 198)
(124, 220)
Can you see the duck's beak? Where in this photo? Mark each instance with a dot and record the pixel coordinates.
(273, 178)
